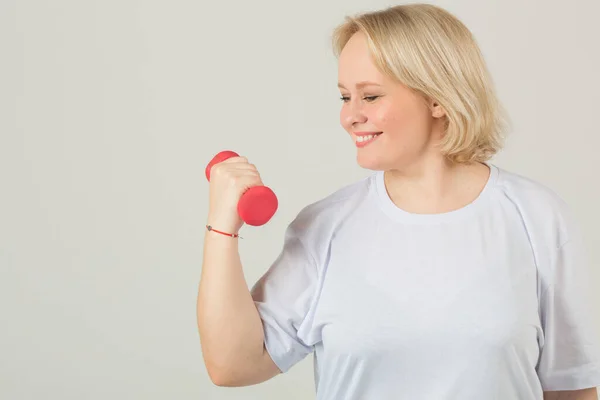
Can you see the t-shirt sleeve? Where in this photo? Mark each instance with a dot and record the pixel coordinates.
(570, 356)
(283, 297)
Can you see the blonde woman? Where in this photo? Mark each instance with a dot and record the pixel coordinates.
(440, 275)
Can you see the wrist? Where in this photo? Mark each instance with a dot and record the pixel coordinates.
(224, 225)
(220, 232)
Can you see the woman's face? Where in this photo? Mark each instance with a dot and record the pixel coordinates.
(409, 125)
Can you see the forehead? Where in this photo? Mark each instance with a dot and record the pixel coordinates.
(355, 63)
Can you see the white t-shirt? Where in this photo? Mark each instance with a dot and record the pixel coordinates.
(491, 301)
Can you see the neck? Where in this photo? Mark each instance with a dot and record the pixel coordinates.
(435, 185)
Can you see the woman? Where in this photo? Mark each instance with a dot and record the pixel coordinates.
(439, 276)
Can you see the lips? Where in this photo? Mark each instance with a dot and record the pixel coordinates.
(366, 133)
(365, 138)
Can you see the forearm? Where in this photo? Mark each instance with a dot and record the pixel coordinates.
(230, 327)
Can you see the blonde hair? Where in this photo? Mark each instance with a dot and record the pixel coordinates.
(430, 51)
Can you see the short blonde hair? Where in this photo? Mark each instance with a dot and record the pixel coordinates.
(430, 51)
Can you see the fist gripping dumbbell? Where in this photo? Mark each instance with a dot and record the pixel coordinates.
(257, 204)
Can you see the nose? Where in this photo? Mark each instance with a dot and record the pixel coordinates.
(353, 114)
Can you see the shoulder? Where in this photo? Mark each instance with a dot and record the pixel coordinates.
(334, 205)
(541, 208)
(523, 185)
(317, 222)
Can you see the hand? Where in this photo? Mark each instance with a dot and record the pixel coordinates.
(229, 180)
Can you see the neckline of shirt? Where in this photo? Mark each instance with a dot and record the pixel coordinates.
(397, 213)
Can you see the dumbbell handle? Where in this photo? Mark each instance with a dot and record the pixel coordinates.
(256, 205)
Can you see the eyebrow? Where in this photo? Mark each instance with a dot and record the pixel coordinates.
(360, 84)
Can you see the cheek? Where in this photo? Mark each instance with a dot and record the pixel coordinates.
(391, 119)
(400, 121)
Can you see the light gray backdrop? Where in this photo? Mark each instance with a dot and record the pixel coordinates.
(109, 112)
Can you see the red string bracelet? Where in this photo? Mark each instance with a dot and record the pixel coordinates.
(233, 235)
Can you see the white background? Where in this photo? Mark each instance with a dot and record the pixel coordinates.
(109, 112)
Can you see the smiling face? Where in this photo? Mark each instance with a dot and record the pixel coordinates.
(410, 124)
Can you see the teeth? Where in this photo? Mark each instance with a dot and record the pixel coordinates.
(364, 138)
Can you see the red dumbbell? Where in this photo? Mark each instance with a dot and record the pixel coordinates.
(258, 204)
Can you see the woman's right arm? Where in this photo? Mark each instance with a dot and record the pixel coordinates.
(231, 331)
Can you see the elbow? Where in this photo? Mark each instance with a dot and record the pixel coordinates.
(217, 378)
(216, 375)
(222, 377)
(218, 371)
(224, 382)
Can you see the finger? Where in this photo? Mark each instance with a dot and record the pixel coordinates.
(249, 181)
(241, 167)
(235, 160)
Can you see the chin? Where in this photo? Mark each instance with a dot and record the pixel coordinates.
(372, 162)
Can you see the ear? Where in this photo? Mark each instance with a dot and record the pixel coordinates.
(437, 111)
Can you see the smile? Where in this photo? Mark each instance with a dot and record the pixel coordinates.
(362, 141)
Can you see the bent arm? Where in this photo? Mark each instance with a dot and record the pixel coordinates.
(231, 331)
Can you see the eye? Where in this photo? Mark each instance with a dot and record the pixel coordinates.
(368, 98)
